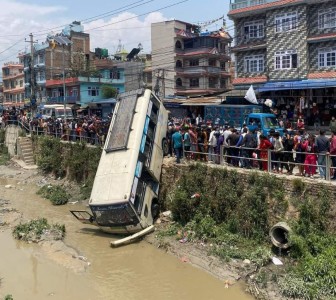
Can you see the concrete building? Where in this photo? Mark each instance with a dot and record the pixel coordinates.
(13, 84)
(287, 50)
(187, 62)
(50, 58)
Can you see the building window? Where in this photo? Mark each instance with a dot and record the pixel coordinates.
(286, 22)
(327, 57)
(75, 92)
(223, 66)
(178, 64)
(178, 82)
(286, 60)
(115, 74)
(193, 62)
(21, 83)
(213, 82)
(54, 93)
(327, 18)
(178, 45)
(194, 82)
(93, 91)
(254, 29)
(223, 83)
(254, 64)
(212, 62)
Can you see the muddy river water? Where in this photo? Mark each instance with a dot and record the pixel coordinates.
(137, 271)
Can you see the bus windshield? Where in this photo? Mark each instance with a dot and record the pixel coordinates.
(118, 214)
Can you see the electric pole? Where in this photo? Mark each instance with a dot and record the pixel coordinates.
(32, 73)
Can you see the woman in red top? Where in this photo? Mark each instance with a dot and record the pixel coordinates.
(311, 157)
(265, 144)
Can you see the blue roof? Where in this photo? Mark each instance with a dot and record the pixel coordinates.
(260, 115)
(296, 85)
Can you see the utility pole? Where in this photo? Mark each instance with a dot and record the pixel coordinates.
(32, 73)
(160, 77)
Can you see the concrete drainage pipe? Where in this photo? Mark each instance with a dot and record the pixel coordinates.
(279, 235)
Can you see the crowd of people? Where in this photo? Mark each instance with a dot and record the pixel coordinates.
(251, 149)
(90, 129)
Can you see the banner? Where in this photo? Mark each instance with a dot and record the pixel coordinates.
(250, 95)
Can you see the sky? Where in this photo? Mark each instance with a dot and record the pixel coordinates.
(108, 22)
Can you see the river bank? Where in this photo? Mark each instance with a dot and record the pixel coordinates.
(84, 266)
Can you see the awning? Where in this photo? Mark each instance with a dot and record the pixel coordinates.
(296, 85)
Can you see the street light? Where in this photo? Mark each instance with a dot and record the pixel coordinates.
(63, 41)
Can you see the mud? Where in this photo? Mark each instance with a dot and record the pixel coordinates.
(84, 266)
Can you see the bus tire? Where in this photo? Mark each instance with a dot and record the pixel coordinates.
(155, 210)
(165, 147)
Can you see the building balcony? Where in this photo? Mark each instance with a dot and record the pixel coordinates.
(200, 71)
(238, 4)
(12, 76)
(193, 91)
(202, 52)
(60, 100)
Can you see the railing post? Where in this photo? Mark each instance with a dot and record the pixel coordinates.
(327, 160)
(221, 152)
(269, 160)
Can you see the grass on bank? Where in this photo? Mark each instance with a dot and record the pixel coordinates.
(36, 230)
(236, 217)
(4, 155)
(55, 193)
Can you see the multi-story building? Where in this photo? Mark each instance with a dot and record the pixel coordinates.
(50, 58)
(13, 84)
(287, 50)
(187, 62)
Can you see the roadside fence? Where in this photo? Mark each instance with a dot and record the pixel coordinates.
(271, 161)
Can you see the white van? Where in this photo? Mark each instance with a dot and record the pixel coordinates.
(55, 111)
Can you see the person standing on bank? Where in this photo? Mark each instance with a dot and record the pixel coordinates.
(323, 145)
(177, 145)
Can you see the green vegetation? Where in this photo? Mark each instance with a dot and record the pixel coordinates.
(55, 193)
(109, 91)
(215, 205)
(77, 161)
(4, 155)
(9, 297)
(36, 230)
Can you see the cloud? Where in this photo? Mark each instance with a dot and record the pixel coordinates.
(126, 28)
(18, 19)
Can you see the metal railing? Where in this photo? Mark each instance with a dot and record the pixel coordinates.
(271, 160)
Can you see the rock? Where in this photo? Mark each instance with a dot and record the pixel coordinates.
(158, 221)
(247, 261)
(8, 186)
(167, 213)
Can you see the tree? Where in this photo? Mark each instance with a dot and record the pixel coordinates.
(109, 91)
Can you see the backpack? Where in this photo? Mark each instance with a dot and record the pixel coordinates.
(252, 142)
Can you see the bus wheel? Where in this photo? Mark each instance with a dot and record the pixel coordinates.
(155, 210)
(165, 147)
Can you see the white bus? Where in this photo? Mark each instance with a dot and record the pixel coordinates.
(124, 197)
(56, 111)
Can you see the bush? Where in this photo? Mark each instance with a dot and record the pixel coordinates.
(56, 194)
(34, 230)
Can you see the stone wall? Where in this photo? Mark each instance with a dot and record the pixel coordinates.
(172, 172)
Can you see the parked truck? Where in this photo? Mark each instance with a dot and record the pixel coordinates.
(237, 115)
